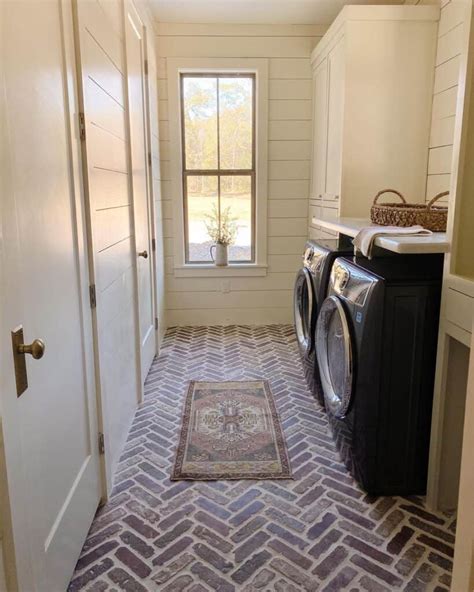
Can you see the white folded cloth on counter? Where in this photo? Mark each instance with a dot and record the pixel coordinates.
(364, 240)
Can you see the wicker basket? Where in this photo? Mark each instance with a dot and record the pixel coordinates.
(405, 214)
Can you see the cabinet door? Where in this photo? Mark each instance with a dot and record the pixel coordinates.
(320, 128)
(315, 213)
(335, 115)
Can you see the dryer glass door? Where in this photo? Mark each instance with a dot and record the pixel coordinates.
(334, 353)
(303, 309)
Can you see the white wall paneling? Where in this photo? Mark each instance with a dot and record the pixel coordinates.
(267, 315)
(446, 75)
(290, 110)
(439, 161)
(442, 132)
(451, 150)
(175, 165)
(289, 130)
(445, 94)
(290, 208)
(255, 300)
(449, 45)
(231, 47)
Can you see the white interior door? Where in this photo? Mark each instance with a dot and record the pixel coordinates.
(142, 204)
(50, 431)
(101, 63)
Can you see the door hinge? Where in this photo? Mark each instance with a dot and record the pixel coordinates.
(145, 67)
(156, 323)
(82, 127)
(101, 443)
(153, 244)
(92, 296)
(149, 159)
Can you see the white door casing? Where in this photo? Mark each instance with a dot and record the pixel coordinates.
(142, 203)
(50, 432)
(112, 251)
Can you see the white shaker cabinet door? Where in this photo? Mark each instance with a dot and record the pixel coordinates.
(320, 128)
(335, 115)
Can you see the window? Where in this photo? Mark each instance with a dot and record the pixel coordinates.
(196, 181)
(218, 161)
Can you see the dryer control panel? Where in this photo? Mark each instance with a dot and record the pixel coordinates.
(313, 259)
(350, 282)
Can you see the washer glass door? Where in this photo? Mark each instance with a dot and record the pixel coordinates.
(334, 352)
(303, 310)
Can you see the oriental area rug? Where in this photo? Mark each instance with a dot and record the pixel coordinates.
(231, 430)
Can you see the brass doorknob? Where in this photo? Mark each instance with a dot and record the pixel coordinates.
(35, 349)
(143, 254)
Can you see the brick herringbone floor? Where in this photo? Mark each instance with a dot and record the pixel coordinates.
(318, 532)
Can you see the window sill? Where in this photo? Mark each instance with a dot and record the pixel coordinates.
(232, 270)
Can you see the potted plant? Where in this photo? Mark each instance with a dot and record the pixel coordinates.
(222, 229)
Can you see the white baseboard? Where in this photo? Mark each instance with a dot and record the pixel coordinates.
(230, 316)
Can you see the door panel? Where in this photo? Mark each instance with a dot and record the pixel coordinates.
(110, 189)
(51, 430)
(112, 263)
(136, 52)
(335, 121)
(320, 130)
(113, 224)
(103, 70)
(105, 150)
(104, 111)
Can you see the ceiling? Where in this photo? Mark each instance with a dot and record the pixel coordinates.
(276, 12)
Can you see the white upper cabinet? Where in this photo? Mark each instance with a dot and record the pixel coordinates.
(373, 82)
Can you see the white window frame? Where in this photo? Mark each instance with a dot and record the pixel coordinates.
(259, 67)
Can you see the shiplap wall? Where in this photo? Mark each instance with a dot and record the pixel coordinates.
(254, 300)
(444, 94)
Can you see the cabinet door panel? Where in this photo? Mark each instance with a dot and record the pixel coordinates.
(335, 120)
(314, 232)
(320, 93)
(315, 213)
(329, 213)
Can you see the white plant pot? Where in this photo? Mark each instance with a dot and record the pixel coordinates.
(221, 254)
